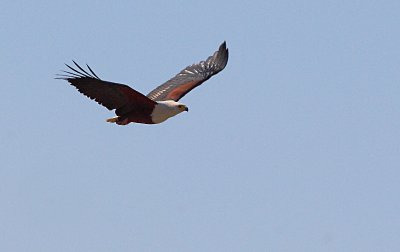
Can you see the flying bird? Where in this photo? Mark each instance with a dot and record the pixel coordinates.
(133, 106)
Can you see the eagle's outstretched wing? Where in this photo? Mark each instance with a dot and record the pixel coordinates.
(191, 77)
(111, 95)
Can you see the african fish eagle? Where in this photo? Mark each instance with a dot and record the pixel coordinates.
(159, 105)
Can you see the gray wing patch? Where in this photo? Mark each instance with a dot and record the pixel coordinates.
(191, 77)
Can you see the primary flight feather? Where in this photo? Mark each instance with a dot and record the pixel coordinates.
(159, 105)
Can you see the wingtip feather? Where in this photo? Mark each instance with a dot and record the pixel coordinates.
(78, 72)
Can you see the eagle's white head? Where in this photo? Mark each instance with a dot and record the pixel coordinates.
(176, 106)
(166, 109)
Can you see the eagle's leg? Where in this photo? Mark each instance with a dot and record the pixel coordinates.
(118, 120)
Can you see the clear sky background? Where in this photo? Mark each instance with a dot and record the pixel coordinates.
(295, 146)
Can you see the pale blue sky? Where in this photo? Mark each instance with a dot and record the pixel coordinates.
(295, 146)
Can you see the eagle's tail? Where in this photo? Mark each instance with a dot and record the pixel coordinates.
(113, 119)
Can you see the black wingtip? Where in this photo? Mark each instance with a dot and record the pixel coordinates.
(77, 72)
(222, 46)
(92, 71)
(222, 55)
(222, 49)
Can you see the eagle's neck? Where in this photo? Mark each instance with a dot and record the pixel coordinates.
(164, 110)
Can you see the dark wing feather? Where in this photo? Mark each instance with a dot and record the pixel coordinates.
(111, 95)
(191, 77)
